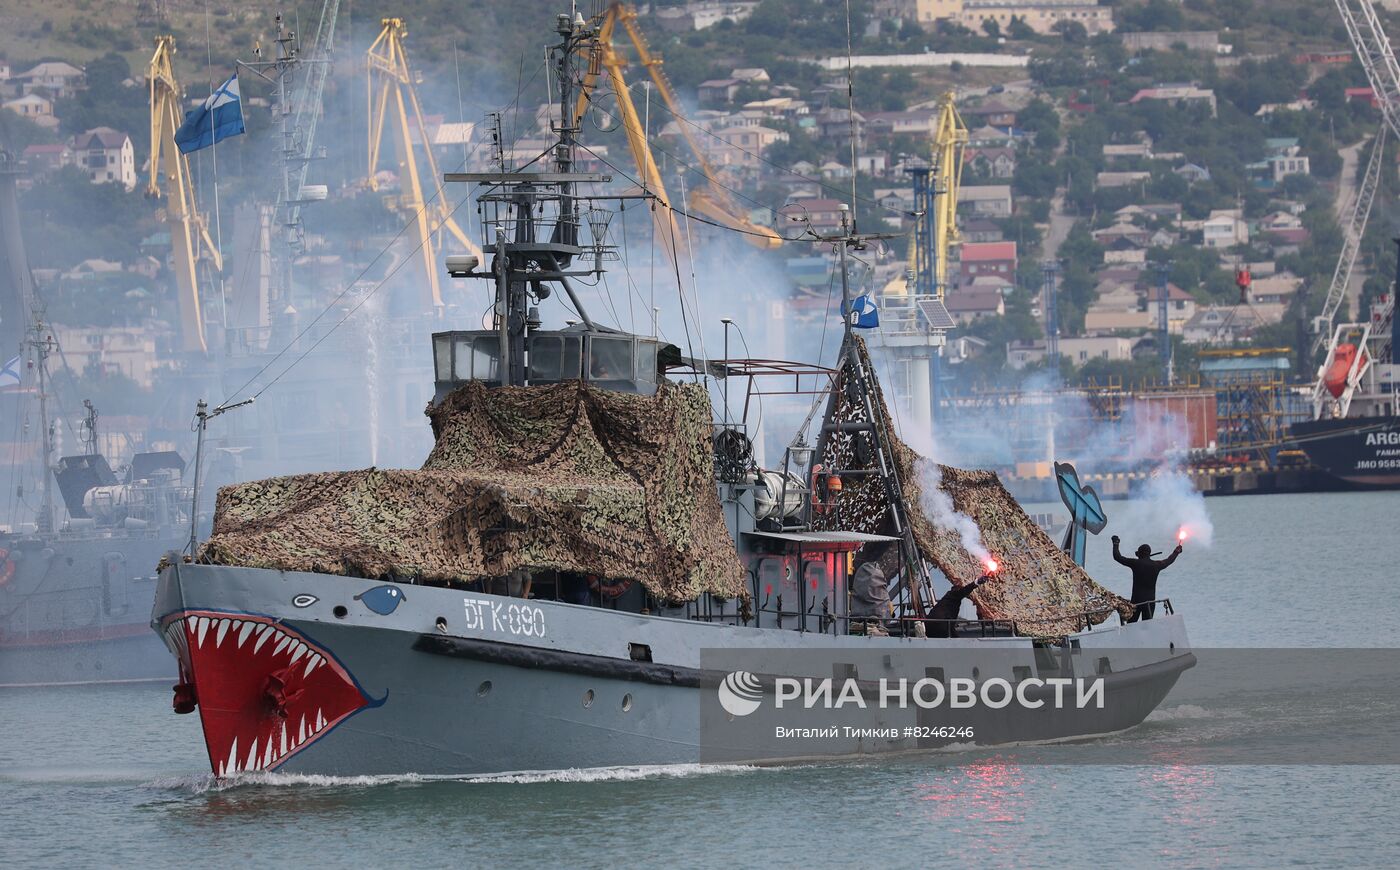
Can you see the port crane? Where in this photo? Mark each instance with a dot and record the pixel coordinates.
(709, 200)
(1349, 354)
(189, 234)
(393, 100)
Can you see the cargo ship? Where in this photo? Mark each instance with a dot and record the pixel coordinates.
(1355, 432)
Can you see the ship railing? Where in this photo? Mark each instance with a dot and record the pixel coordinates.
(831, 623)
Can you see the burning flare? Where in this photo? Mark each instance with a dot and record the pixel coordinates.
(1181, 535)
(991, 565)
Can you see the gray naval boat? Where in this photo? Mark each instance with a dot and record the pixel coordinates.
(590, 569)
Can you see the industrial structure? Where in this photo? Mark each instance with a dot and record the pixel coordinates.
(915, 312)
(393, 100)
(189, 234)
(709, 200)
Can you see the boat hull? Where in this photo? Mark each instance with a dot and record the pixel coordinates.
(1362, 451)
(311, 673)
(73, 610)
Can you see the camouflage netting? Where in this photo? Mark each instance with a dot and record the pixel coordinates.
(561, 477)
(1038, 585)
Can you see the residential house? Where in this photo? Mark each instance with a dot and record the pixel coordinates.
(1177, 95)
(1133, 233)
(1106, 180)
(751, 75)
(1181, 307)
(899, 199)
(1079, 350)
(1280, 220)
(991, 137)
(48, 158)
(718, 92)
(1042, 16)
(991, 162)
(919, 122)
(992, 113)
(699, 16)
(982, 231)
(55, 79)
(742, 146)
(1117, 307)
(123, 350)
(969, 305)
(1215, 325)
(1207, 41)
(1130, 151)
(107, 156)
(1289, 241)
(875, 163)
(834, 125)
(978, 260)
(1224, 229)
(821, 215)
(34, 108)
(988, 200)
(1284, 158)
(1277, 289)
(1124, 251)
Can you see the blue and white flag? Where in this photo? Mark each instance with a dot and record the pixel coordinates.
(863, 313)
(216, 119)
(9, 375)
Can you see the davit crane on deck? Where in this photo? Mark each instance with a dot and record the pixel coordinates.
(189, 236)
(392, 94)
(1348, 354)
(710, 200)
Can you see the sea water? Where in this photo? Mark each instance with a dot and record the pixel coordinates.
(108, 776)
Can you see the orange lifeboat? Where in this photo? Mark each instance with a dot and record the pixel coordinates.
(1336, 378)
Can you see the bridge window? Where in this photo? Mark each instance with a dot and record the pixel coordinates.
(554, 358)
(610, 359)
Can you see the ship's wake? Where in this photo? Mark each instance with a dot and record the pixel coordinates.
(206, 783)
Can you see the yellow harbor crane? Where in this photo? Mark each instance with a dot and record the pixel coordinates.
(393, 94)
(189, 236)
(936, 206)
(710, 199)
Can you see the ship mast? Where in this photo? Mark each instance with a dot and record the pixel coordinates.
(527, 252)
(43, 344)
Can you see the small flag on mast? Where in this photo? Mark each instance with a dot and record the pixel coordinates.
(863, 313)
(217, 118)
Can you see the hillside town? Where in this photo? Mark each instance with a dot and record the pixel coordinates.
(1134, 189)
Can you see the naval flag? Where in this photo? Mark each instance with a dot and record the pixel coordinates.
(217, 118)
(863, 313)
(9, 375)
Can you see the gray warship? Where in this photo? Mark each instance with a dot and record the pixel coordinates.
(76, 574)
(589, 561)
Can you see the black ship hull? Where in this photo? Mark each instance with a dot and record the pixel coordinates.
(1360, 450)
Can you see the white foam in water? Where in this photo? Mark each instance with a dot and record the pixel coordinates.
(1182, 711)
(209, 782)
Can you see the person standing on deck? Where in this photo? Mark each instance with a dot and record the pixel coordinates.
(1145, 571)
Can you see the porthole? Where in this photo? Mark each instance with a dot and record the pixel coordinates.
(588, 699)
(340, 611)
(484, 689)
(627, 703)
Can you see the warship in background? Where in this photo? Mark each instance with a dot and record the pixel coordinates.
(75, 580)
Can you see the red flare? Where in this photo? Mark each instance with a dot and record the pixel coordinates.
(991, 565)
(1181, 535)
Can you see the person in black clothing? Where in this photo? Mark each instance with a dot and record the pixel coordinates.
(1145, 571)
(943, 614)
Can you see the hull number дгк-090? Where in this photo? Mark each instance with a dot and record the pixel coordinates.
(521, 619)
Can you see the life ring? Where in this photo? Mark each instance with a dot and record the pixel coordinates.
(610, 589)
(7, 567)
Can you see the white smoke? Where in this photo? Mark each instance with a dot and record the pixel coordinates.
(1167, 506)
(939, 508)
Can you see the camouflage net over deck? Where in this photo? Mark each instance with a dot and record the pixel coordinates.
(562, 476)
(1038, 586)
